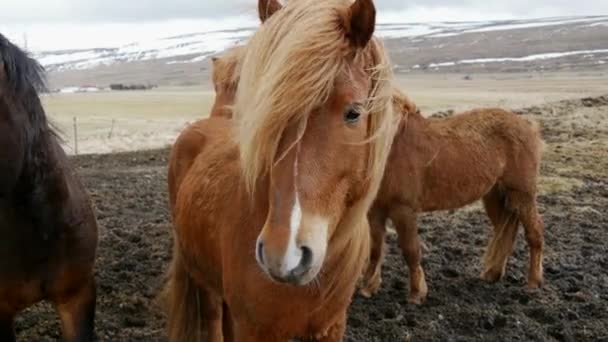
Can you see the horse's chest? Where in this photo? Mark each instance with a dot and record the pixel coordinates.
(24, 249)
(17, 294)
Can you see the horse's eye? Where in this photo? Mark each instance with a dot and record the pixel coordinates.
(352, 115)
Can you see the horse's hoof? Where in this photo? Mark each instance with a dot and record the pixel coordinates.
(416, 299)
(491, 276)
(370, 289)
(534, 284)
(365, 293)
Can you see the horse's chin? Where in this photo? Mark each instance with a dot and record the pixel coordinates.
(301, 280)
(308, 277)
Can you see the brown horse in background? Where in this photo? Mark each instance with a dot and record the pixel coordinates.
(225, 80)
(439, 164)
(271, 232)
(48, 232)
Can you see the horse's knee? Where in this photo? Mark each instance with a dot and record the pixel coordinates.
(412, 251)
(535, 239)
(77, 312)
(534, 230)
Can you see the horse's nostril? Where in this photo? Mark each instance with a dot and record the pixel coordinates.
(306, 260)
(260, 251)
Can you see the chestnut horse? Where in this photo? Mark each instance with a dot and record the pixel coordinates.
(439, 164)
(270, 231)
(419, 178)
(48, 232)
(225, 80)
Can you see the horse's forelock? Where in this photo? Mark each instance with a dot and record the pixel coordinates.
(289, 68)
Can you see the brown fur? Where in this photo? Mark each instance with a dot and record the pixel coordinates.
(48, 232)
(225, 79)
(468, 132)
(439, 164)
(225, 196)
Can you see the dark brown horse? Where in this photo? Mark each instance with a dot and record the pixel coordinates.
(48, 232)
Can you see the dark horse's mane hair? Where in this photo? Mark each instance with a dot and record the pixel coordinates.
(38, 189)
(21, 80)
(22, 73)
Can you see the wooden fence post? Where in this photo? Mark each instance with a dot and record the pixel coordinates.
(75, 136)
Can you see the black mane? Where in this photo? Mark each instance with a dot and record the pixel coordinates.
(21, 72)
(21, 79)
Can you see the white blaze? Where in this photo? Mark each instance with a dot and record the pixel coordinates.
(293, 254)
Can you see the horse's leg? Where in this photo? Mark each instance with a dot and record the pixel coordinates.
(7, 330)
(373, 276)
(505, 224)
(534, 228)
(404, 219)
(227, 324)
(335, 333)
(77, 313)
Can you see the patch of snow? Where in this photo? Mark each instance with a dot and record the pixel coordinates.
(531, 24)
(598, 24)
(196, 47)
(72, 90)
(445, 64)
(540, 56)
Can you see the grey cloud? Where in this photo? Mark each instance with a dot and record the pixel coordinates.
(148, 10)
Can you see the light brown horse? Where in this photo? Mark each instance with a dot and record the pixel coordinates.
(271, 232)
(419, 177)
(439, 164)
(48, 232)
(225, 79)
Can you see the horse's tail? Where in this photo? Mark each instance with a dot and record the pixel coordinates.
(539, 143)
(182, 302)
(505, 222)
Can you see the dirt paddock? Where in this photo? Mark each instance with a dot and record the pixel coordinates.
(129, 191)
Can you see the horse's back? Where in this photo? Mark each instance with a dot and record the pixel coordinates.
(516, 137)
(474, 151)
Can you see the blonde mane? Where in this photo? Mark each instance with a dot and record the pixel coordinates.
(289, 69)
(225, 68)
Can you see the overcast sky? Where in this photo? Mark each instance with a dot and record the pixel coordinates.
(42, 19)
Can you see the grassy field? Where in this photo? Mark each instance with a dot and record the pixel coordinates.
(120, 121)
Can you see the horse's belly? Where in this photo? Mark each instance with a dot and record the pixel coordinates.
(455, 193)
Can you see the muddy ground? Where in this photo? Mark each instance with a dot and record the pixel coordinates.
(129, 191)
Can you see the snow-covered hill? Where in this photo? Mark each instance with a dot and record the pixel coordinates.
(197, 46)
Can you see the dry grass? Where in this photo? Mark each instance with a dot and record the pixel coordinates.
(119, 121)
(435, 92)
(148, 119)
(162, 103)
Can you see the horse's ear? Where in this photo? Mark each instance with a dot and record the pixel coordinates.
(266, 8)
(361, 22)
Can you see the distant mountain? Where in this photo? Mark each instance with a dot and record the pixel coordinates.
(513, 45)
